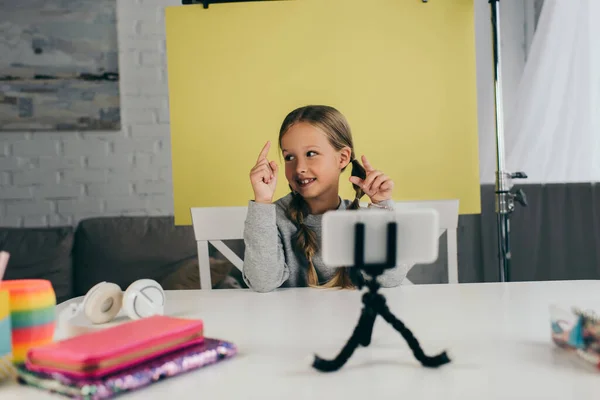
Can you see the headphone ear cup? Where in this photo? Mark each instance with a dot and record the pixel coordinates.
(103, 302)
(144, 298)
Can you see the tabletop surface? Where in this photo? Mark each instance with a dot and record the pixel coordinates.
(497, 335)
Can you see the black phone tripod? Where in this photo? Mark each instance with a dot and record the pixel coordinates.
(374, 305)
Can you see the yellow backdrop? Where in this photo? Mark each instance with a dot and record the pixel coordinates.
(401, 71)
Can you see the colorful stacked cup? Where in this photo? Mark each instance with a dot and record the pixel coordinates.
(5, 335)
(32, 314)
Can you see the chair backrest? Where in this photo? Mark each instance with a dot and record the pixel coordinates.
(448, 212)
(215, 224)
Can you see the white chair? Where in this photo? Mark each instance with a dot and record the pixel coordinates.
(215, 224)
(448, 212)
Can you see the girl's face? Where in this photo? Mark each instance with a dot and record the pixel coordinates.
(312, 164)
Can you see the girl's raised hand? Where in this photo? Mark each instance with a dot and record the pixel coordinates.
(376, 185)
(263, 177)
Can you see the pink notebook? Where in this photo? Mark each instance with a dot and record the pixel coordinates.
(99, 353)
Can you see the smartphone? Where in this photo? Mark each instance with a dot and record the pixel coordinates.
(417, 236)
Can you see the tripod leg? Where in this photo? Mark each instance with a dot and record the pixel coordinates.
(360, 336)
(368, 321)
(413, 343)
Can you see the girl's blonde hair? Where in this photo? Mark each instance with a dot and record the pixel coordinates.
(336, 128)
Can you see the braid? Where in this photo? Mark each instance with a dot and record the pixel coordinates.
(306, 239)
(359, 171)
(306, 242)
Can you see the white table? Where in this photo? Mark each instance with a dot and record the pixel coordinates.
(498, 336)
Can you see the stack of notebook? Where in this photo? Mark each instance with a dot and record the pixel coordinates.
(126, 357)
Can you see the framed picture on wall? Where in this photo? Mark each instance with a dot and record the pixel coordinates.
(59, 65)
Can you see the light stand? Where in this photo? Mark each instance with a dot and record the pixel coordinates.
(374, 304)
(505, 198)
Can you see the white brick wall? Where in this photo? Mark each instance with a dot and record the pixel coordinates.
(58, 178)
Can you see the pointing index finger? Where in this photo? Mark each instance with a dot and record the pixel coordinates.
(367, 164)
(264, 151)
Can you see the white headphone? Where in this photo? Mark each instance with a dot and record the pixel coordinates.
(143, 298)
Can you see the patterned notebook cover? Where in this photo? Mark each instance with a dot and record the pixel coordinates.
(140, 376)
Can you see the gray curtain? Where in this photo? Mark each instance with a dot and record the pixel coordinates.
(557, 237)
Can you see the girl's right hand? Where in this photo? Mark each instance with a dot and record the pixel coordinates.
(263, 177)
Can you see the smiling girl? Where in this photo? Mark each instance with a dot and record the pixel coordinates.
(282, 238)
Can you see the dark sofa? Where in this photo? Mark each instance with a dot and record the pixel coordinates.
(115, 249)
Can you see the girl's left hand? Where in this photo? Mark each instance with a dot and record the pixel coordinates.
(376, 185)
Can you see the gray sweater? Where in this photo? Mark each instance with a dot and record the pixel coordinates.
(270, 259)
